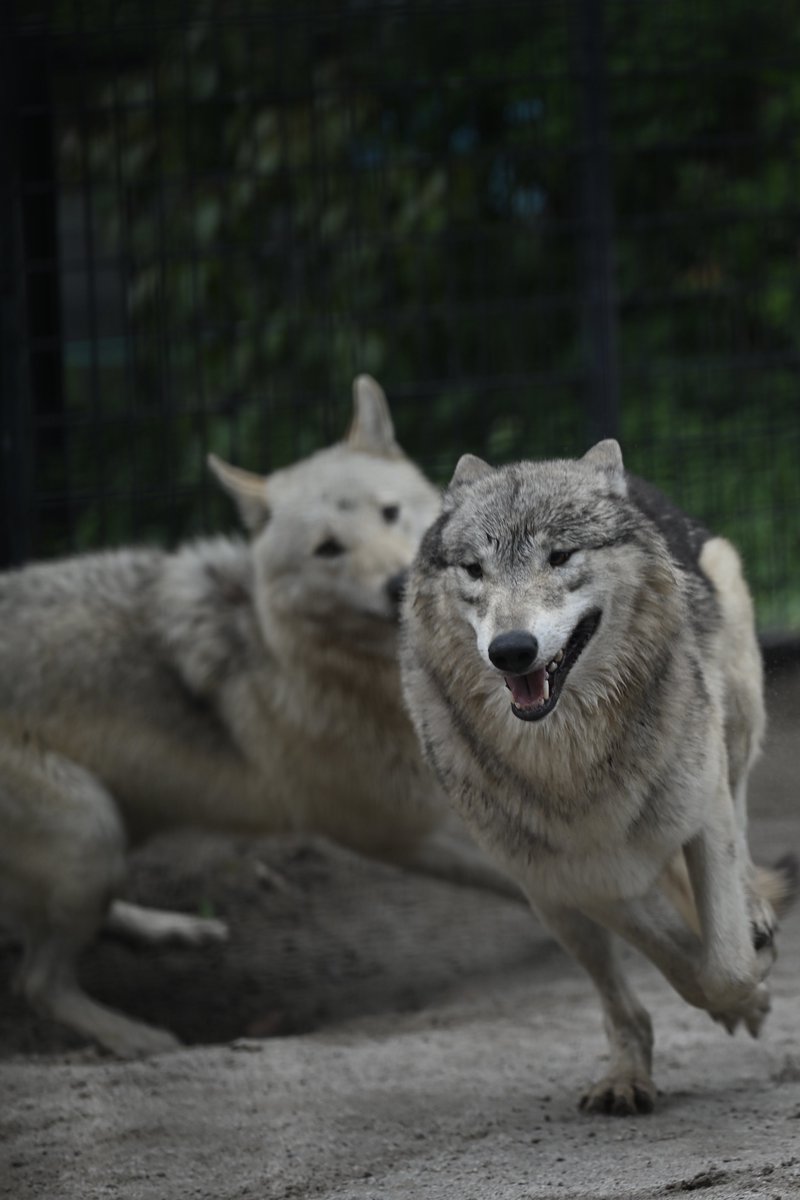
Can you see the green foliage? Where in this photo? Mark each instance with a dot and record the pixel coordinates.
(293, 196)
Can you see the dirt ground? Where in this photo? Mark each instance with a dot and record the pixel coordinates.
(368, 1033)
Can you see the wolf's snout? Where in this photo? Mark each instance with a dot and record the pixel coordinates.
(514, 653)
(396, 586)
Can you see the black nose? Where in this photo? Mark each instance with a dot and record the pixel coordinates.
(514, 653)
(396, 585)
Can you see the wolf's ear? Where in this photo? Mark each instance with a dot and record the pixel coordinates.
(468, 468)
(248, 490)
(606, 456)
(371, 429)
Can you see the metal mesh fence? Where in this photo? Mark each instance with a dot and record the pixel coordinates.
(536, 223)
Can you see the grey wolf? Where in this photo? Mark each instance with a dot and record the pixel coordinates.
(582, 668)
(245, 685)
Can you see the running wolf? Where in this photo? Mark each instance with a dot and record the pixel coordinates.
(582, 669)
(243, 685)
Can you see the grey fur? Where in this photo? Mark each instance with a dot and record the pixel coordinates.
(633, 769)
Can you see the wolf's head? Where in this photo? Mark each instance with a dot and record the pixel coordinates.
(334, 534)
(532, 562)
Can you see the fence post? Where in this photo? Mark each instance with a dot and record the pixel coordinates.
(596, 223)
(15, 432)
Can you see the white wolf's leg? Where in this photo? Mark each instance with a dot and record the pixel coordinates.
(47, 979)
(61, 858)
(156, 926)
(627, 1086)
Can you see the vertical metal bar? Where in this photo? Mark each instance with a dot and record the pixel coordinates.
(15, 433)
(39, 206)
(599, 300)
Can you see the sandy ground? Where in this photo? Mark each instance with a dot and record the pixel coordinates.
(369, 1033)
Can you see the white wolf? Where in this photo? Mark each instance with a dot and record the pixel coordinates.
(582, 669)
(243, 686)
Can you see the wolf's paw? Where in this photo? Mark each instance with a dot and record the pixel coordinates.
(752, 1013)
(730, 986)
(195, 931)
(623, 1095)
(137, 1040)
(159, 927)
(763, 924)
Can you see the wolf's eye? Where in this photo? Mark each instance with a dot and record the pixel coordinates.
(473, 569)
(390, 513)
(330, 548)
(559, 557)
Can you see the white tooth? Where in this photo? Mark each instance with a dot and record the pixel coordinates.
(552, 666)
(559, 656)
(546, 690)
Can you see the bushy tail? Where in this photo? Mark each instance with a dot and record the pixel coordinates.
(779, 885)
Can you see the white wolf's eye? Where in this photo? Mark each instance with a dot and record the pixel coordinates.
(390, 513)
(330, 548)
(559, 557)
(473, 569)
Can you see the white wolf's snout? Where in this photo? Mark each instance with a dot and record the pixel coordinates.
(396, 587)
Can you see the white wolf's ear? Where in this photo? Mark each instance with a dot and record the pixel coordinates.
(371, 429)
(606, 456)
(248, 490)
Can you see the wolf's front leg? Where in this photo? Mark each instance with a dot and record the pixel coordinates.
(654, 926)
(627, 1086)
(732, 967)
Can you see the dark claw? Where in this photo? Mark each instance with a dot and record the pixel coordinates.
(761, 937)
(618, 1104)
(644, 1101)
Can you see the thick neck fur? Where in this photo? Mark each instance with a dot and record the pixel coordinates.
(327, 682)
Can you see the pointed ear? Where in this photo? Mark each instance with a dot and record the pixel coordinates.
(468, 468)
(371, 429)
(248, 490)
(606, 456)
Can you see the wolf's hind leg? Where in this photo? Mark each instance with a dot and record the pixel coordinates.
(158, 927)
(62, 856)
(47, 979)
(627, 1087)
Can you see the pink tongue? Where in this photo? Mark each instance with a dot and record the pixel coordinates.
(527, 690)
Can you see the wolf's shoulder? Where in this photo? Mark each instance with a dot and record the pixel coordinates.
(203, 610)
(685, 536)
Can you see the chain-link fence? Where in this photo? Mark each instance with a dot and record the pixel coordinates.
(536, 223)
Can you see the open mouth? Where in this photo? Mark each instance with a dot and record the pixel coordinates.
(536, 694)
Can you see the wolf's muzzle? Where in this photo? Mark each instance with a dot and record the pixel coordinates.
(396, 586)
(513, 653)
